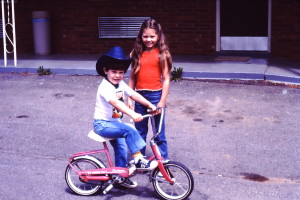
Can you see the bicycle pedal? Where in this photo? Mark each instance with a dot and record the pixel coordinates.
(108, 188)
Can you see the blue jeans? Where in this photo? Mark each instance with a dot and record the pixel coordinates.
(142, 127)
(126, 136)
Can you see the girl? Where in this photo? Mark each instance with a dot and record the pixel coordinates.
(150, 76)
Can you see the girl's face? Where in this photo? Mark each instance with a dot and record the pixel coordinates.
(114, 76)
(149, 38)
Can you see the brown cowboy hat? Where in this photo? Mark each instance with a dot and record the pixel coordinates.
(115, 58)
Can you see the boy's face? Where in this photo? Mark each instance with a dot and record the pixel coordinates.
(114, 76)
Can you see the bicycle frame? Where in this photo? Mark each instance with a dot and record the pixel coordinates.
(102, 173)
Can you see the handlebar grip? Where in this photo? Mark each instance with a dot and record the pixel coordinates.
(144, 116)
(157, 108)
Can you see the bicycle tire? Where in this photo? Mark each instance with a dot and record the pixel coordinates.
(183, 186)
(73, 181)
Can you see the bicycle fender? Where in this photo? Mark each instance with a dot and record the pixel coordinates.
(92, 158)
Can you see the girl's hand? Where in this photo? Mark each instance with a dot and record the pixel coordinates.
(160, 105)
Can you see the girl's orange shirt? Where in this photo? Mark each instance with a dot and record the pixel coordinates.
(149, 75)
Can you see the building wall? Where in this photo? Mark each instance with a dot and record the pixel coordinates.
(190, 25)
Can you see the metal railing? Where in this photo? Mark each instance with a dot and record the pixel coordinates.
(8, 30)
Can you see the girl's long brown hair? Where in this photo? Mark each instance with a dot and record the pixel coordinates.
(139, 46)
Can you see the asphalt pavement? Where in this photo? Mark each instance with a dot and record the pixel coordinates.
(239, 139)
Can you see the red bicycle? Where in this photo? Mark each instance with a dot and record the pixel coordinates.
(86, 174)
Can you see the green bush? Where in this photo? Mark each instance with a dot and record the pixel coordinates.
(41, 71)
(176, 74)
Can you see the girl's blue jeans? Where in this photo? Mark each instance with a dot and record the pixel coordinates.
(142, 127)
(126, 136)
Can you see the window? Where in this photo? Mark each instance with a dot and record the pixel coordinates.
(120, 27)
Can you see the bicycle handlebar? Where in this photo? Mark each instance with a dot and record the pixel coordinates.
(156, 132)
(153, 121)
(149, 111)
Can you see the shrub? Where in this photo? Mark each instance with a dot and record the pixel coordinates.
(176, 74)
(41, 71)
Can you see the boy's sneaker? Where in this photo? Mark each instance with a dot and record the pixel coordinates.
(129, 183)
(144, 164)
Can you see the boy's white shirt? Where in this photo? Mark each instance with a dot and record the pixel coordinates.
(106, 92)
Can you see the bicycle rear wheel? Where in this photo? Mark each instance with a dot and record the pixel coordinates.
(183, 182)
(73, 180)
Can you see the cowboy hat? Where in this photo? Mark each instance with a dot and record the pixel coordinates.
(115, 58)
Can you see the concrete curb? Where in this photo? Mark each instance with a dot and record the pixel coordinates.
(189, 75)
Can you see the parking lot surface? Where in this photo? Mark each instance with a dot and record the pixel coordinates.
(241, 141)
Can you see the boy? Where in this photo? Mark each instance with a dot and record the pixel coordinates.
(110, 107)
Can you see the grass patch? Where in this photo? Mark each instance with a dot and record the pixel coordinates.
(41, 71)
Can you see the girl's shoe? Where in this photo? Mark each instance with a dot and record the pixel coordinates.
(129, 183)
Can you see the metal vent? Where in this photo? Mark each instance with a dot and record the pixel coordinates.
(120, 27)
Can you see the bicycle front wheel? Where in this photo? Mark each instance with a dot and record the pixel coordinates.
(75, 183)
(183, 182)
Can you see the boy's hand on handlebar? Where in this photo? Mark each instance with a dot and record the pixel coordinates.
(152, 109)
(137, 117)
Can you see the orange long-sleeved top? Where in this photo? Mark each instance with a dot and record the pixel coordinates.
(149, 75)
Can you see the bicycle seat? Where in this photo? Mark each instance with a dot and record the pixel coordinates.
(98, 138)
